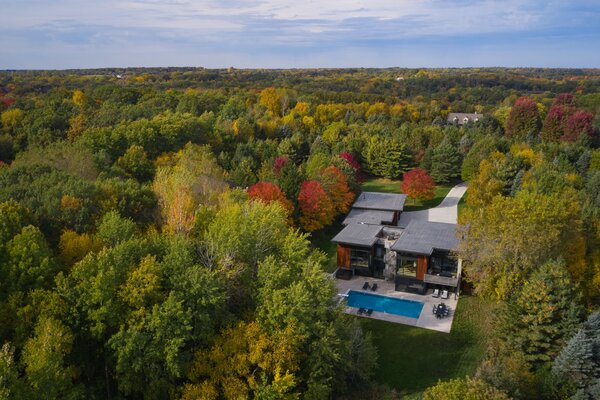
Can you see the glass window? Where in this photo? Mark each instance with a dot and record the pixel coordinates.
(407, 266)
(359, 258)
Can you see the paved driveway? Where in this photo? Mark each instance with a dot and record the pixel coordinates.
(446, 211)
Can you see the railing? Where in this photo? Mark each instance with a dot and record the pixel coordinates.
(441, 280)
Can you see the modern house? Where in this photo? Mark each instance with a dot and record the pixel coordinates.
(417, 257)
(376, 208)
(462, 118)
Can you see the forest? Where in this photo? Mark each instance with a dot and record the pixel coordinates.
(159, 228)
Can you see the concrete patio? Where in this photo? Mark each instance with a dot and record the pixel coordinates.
(426, 320)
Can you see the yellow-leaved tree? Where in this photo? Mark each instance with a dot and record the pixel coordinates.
(195, 179)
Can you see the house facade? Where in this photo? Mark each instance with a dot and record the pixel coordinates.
(462, 118)
(417, 257)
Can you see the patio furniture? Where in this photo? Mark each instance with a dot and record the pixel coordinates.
(436, 293)
(374, 287)
(361, 311)
(366, 286)
(444, 294)
(369, 312)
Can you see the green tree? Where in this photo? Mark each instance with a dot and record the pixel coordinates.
(135, 163)
(114, 229)
(463, 389)
(44, 356)
(30, 262)
(386, 157)
(539, 318)
(445, 163)
(11, 386)
(247, 232)
(578, 363)
(508, 239)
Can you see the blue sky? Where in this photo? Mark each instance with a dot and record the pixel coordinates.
(298, 33)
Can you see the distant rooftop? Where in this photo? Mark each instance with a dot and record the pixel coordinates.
(358, 235)
(463, 118)
(380, 201)
(375, 217)
(422, 237)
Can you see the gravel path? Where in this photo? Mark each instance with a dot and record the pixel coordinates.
(446, 211)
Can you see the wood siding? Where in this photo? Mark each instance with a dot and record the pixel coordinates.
(343, 256)
(422, 265)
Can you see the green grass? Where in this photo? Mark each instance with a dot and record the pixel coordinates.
(382, 185)
(412, 359)
(393, 186)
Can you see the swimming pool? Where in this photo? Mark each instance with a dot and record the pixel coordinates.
(390, 305)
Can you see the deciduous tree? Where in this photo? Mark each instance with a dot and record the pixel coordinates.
(317, 210)
(524, 119)
(418, 184)
(269, 192)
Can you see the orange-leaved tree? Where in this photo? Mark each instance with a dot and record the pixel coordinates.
(418, 184)
(335, 184)
(268, 192)
(317, 210)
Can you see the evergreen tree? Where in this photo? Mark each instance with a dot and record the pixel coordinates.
(578, 364)
(539, 318)
(386, 157)
(445, 163)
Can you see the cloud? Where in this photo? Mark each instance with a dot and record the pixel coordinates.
(265, 31)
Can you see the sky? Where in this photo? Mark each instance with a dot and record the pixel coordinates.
(61, 34)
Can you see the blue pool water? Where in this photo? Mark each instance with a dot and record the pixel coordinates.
(390, 305)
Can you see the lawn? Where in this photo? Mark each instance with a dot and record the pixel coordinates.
(412, 359)
(393, 186)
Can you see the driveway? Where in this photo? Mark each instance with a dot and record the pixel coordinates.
(446, 211)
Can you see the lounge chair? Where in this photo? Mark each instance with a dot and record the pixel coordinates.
(369, 312)
(374, 287)
(444, 294)
(361, 311)
(436, 292)
(366, 286)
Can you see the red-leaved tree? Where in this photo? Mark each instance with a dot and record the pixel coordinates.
(316, 208)
(335, 184)
(418, 184)
(268, 192)
(580, 123)
(555, 122)
(279, 163)
(349, 158)
(524, 118)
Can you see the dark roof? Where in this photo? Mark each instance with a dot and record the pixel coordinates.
(380, 201)
(358, 234)
(459, 118)
(377, 217)
(422, 237)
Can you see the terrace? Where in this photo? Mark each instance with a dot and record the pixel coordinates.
(426, 320)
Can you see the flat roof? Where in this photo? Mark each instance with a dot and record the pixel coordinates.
(380, 201)
(358, 234)
(357, 215)
(423, 237)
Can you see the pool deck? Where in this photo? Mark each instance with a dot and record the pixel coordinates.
(427, 320)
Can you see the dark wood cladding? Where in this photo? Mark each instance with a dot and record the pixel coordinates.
(343, 256)
(422, 264)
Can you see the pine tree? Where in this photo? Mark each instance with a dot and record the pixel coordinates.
(578, 364)
(539, 318)
(445, 163)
